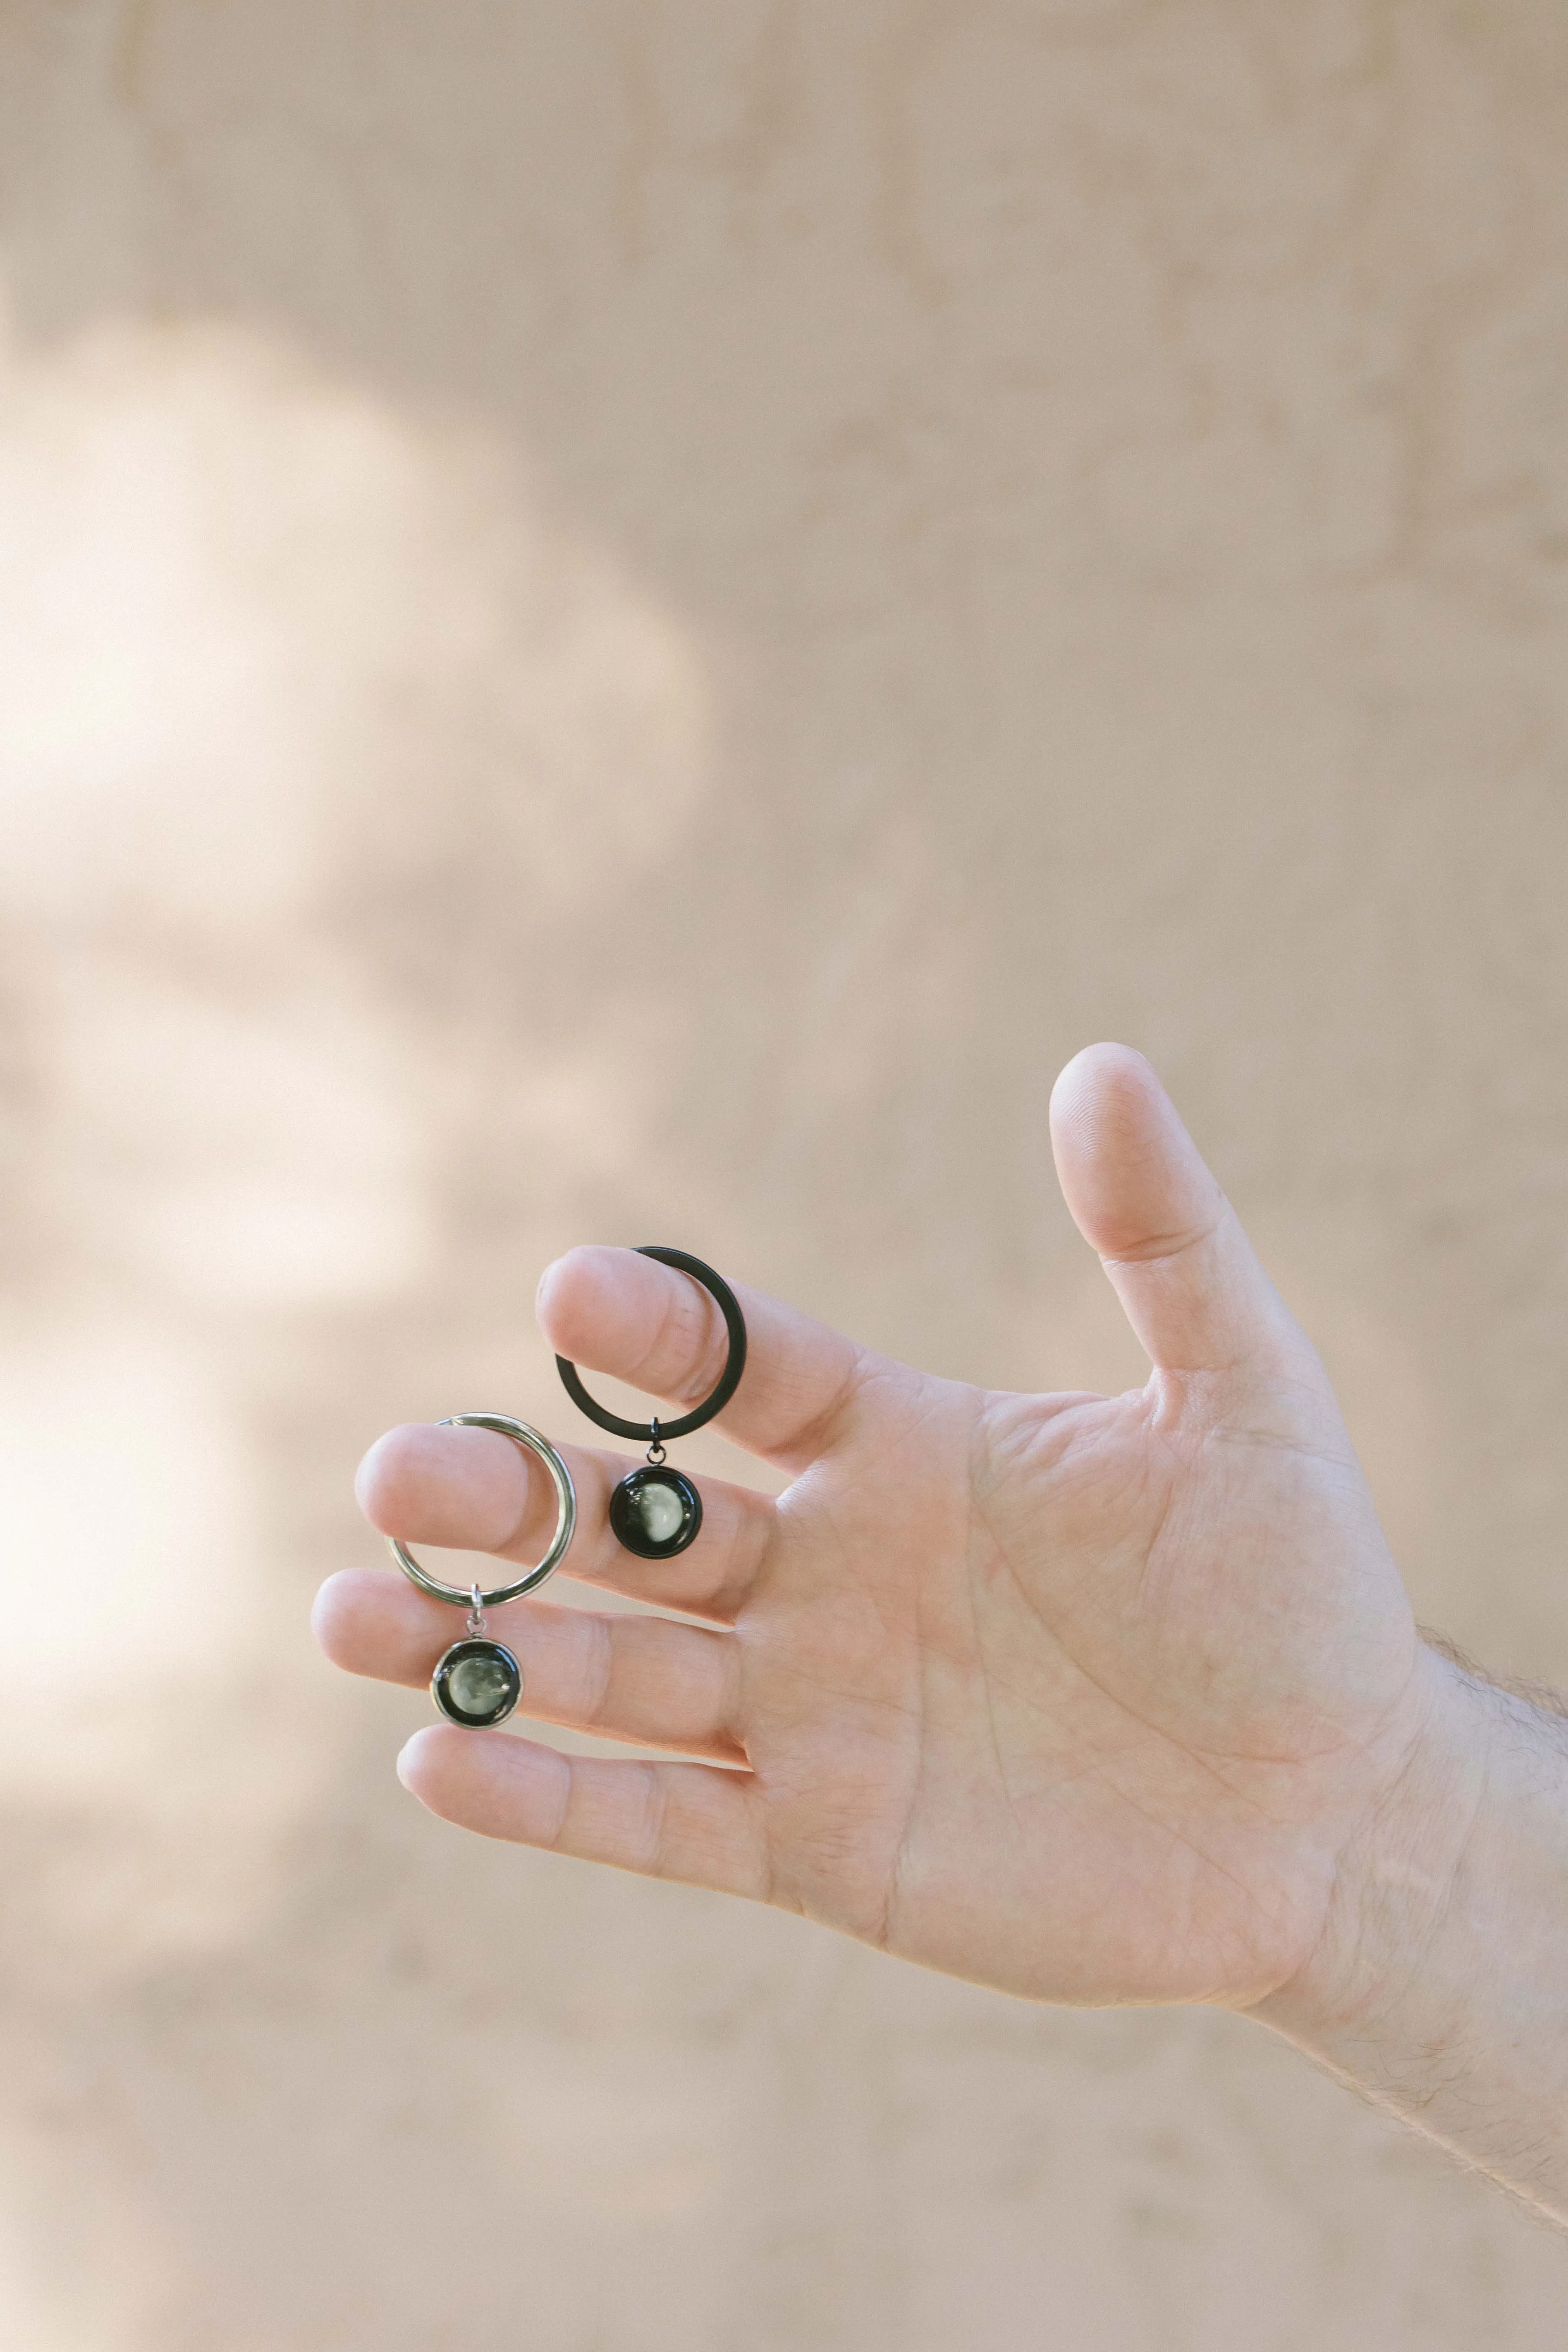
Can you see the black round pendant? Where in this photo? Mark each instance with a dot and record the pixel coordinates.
(476, 1684)
(656, 1512)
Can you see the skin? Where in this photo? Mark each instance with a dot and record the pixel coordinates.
(1093, 1699)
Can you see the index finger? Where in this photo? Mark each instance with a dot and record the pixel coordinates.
(613, 1310)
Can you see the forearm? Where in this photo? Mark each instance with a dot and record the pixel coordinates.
(1440, 1988)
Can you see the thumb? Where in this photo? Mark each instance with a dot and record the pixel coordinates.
(1138, 1193)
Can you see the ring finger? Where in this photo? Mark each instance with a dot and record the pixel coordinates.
(650, 1680)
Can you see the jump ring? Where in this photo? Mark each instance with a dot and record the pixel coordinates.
(565, 1518)
(656, 1433)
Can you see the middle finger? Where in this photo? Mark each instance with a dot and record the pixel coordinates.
(474, 1490)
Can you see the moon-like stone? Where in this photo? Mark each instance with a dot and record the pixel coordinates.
(478, 1685)
(661, 1510)
(656, 1512)
(478, 1682)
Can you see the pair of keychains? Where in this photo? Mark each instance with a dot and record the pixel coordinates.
(655, 1512)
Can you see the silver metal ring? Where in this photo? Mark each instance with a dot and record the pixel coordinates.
(462, 1596)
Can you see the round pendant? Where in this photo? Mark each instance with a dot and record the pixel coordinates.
(656, 1512)
(478, 1682)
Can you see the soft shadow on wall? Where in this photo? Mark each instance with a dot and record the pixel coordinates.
(312, 720)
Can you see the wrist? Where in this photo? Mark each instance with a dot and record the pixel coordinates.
(1394, 1885)
(1437, 1984)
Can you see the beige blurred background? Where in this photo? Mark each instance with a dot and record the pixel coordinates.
(629, 619)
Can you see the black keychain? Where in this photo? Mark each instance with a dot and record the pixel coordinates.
(656, 1511)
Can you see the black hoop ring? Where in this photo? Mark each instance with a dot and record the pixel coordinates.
(655, 1432)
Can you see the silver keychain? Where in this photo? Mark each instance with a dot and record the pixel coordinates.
(478, 1681)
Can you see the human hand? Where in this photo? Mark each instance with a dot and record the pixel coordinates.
(1085, 1698)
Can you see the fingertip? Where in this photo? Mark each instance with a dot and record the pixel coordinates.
(381, 1480)
(328, 1616)
(468, 1487)
(355, 1618)
(561, 1286)
(487, 1781)
(1101, 1083)
(581, 1300)
(449, 1770)
(415, 1765)
(1141, 1195)
(1130, 1171)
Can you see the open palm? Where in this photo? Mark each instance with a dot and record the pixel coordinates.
(1081, 1696)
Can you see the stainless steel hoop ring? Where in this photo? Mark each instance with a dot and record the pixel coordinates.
(461, 1596)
